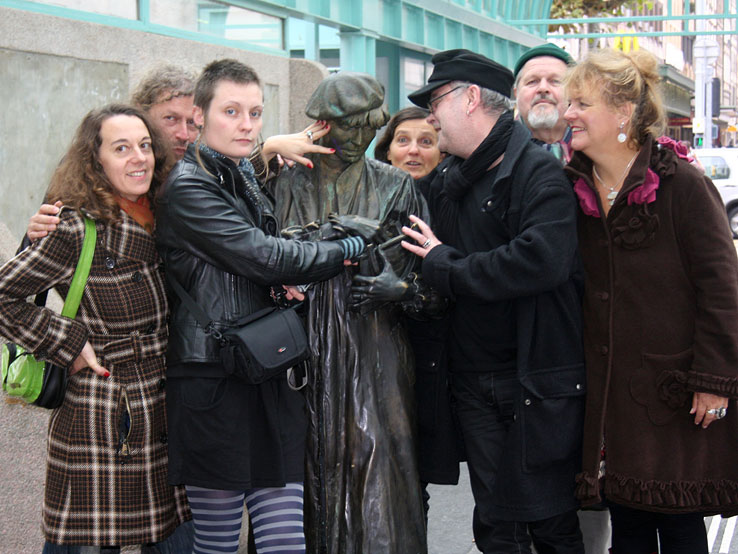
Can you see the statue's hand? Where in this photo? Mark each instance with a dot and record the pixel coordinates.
(385, 287)
(357, 226)
(328, 231)
(300, 232)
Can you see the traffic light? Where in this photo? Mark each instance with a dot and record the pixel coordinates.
(698, 141)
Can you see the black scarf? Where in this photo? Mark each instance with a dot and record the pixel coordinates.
(462, 174)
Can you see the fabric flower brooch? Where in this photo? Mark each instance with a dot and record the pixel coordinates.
(644, 193)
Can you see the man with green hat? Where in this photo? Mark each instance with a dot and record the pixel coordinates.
(539, 91)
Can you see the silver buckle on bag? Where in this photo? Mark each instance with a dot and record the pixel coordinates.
(291, 380)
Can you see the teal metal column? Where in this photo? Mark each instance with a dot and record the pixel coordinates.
(358, 52)
(312, 41)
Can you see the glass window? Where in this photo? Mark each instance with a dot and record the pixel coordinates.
(119, 8)
(415, 72)
(221, 20)
(715, 167)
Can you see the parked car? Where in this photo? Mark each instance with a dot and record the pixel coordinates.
(721, 165)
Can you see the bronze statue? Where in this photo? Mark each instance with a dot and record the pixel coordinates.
(362, 490)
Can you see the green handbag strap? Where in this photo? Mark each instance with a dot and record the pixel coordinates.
(77, 287)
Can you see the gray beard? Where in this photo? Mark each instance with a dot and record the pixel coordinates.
(543, 119)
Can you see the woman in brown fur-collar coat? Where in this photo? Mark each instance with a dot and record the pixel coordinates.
(106, 480)
(660, 316)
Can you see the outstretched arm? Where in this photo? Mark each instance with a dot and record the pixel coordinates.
(292, 148)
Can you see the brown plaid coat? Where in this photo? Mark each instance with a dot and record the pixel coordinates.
(106, 481)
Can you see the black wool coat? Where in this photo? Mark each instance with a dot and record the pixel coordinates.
(538, 270)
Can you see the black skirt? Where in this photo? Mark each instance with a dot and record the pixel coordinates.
(225, 434)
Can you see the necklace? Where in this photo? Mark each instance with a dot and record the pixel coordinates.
(614, 189)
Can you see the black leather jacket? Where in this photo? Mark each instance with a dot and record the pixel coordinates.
(221, 248)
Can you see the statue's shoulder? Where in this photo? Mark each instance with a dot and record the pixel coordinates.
(385, 169)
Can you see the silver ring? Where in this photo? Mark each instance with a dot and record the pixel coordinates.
(310, 135)
(426, 244)
(719, 413)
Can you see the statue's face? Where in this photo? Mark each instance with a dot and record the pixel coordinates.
(350, 142)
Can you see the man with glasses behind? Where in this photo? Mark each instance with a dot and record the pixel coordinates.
(504, 250)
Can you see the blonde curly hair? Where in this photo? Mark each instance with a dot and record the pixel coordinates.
(622, 78)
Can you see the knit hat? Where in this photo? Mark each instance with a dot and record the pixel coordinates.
(547, 49)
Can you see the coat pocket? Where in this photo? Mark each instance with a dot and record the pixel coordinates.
(659, 385)
(551, 416)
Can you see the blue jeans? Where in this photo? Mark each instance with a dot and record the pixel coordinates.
(179, 542)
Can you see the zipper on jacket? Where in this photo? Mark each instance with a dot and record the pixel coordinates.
(235, 311)
(125, 425)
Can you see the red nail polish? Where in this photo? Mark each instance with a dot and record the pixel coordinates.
(333, 150)
(107, 374)
(310, 165)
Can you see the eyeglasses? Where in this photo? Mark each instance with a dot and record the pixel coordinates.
(437, 98)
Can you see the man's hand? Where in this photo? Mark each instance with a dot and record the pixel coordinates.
(44, 221)
(426, 239)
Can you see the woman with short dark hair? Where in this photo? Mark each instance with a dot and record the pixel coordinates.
(218, 236)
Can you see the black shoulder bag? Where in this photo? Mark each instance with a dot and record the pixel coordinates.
(257, 347)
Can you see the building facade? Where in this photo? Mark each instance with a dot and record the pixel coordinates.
(670, 29)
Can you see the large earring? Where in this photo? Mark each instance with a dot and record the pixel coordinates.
(622, 137)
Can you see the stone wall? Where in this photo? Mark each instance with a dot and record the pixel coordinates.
(52, 71)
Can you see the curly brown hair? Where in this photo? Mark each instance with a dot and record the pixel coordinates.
(162, 84)
(80, 181)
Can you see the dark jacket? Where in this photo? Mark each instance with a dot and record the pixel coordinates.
(221, 249)
(218, 242)
(537, 270)
(661, 320)
(440, 446)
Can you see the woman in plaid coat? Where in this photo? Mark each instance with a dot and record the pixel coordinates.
(106, 481)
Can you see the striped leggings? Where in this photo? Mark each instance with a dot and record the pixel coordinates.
(275, 515)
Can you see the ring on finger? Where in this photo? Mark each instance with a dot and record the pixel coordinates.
(719, 413)
(309, 135)
(427, 243)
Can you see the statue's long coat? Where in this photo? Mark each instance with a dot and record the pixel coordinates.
(362, 488)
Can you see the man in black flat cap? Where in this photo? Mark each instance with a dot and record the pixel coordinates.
(362, 493)
(503, 248)
(539, 93)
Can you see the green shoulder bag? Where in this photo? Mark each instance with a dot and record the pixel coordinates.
(38, 382)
